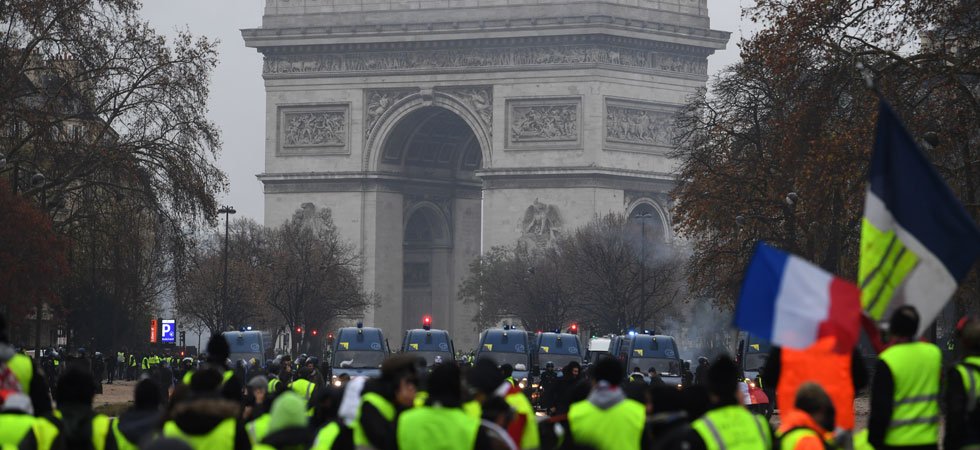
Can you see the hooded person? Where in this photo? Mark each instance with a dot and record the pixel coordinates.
(383, 399)
(522, 428)
(27, 377)
(440, 424)
(288, 422)
(138, 424)
(333, 433)
(607, 420)
(205, 419)
(76, 425)
(668, 423)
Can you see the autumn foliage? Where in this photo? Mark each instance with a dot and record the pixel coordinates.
(32, 256)
(778, 148)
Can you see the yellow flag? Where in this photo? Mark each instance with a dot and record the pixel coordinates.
(345, 345)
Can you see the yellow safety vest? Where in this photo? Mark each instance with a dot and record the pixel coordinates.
(122, 443)
(46, 432)
(733, 428)
(258, 429)
(788, 440)
(971, 380)
(915, 369)
(23, 369)
(473, 409)
(132, 360)
(273, 385)
(145, 363)
(326, 437)
(619, 427)
(383, 406)
(222, 437)
(530, 438)
(304, 388)
(437, 428)
(14, 428)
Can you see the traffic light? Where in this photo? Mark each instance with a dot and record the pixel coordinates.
(330, 337)
(573, 329)
(427, 322)
(299, 330)
(314, 332)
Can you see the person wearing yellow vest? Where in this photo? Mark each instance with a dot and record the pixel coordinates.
(287, 424)
(333, 433)
(607, 420)
(809, 425)
(905, 390)
(383, 399)
(962, 398)
(131, 369)
(728, 424)
(16, 420)
(138, 424)
(206, 420)
(440, 424)
(26, 372)
(73, 424)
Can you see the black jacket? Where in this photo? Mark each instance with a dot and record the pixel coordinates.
(136, 425)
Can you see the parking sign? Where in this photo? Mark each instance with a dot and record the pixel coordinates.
(168, 331)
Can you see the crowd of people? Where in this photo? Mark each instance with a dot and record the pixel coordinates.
(291, 404)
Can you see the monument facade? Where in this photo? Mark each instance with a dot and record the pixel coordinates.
(435, 130)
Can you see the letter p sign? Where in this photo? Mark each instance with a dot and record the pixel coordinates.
(168, 331)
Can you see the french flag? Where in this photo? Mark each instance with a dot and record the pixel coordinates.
(792, 303)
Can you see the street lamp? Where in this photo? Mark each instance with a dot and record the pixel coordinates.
(38, 180)
(227, 211)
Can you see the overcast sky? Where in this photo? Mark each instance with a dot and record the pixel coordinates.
(237, 102)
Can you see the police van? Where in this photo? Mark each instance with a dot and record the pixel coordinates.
(646, 351)
(557, 348)
(246, 345)
(434, 346)
(508, 345)
(358, 351)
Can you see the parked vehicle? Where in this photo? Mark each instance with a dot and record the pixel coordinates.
(358, 351)
(508, 346)
(645, 351)
(752, 355)
(558, 348)
(435, 346)
(246, 345)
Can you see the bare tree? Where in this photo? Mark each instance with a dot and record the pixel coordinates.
(314, 276)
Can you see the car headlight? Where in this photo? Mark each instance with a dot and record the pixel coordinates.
(523, 383)
(535, 385)
(680, 386)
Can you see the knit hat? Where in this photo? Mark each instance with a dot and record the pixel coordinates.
(288, 411)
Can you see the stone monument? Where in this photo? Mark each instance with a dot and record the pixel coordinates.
(436, 129)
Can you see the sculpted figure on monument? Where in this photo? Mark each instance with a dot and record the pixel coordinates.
(379, 102)
(638, 126)
(542, 223)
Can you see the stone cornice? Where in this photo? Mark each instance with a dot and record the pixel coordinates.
(386, 33)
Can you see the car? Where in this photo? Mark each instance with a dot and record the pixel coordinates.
(508, 345)
(645, 351)
(358, 351)
(433, 345)
(558, 348)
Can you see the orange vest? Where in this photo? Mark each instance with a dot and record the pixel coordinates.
(821, 365)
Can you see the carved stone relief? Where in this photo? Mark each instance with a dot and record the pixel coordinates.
(379, 101)
(541, 224)
(417, 274)
(474, 58)
(479, 99)
(639, 124)
(545, 122)
(313, 130)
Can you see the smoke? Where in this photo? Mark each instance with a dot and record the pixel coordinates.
(701, 329)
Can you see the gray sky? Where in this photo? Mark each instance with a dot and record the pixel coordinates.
(237, 102)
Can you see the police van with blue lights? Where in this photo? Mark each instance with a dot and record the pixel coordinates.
(433, 345)
(508, 345)
(557, 348)
(649, 351)
(358, 351)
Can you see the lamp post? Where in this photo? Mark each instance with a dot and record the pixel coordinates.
(38, 180)
(227, 211)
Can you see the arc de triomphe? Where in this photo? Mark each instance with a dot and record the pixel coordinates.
(435, 129)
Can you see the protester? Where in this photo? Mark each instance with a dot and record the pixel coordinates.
(138, 424)
(810, 425)
(905, 391)
(206, 420)
(728, 424)
(288, 424)
(440, 424)
(76, 425)
(701, 373)
(29, 379)
(383, 399)
(962, 399)
(16, 420)
(607, 420)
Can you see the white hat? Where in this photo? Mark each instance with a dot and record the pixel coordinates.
(18, 402)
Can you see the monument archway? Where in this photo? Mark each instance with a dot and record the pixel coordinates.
(434, 153)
